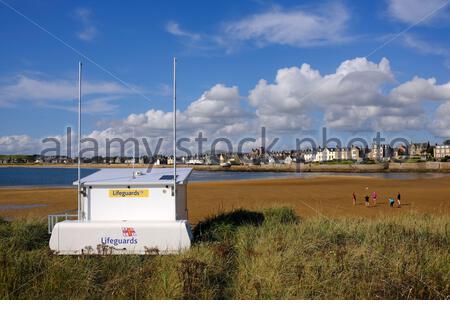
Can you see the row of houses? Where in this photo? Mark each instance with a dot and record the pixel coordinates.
(333, 154)
(383, 152)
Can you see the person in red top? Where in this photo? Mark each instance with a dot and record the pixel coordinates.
(374, 198)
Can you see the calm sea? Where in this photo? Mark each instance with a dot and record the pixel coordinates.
(16, 176)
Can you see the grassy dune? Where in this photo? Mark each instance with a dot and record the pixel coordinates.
(272, 254)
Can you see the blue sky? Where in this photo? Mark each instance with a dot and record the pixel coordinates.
(224, 49)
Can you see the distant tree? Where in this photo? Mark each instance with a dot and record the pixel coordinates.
(430, 149)
(447, 142)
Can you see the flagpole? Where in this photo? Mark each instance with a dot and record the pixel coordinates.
(79, 141)
(175, 133)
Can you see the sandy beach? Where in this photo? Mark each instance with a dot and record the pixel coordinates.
(331, 196)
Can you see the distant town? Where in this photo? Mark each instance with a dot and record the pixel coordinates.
(415, 152)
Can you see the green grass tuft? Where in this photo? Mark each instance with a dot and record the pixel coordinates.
(243, 254)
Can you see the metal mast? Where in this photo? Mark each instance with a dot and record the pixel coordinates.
(174, 102)
(134, 157)
(79, 140)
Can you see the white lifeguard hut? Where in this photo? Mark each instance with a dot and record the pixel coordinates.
(125, 211)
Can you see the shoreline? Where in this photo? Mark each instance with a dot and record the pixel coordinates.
(337, 175)
(232, 181)
(419, 167)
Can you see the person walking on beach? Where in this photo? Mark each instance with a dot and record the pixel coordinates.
(354, 198)
(398, 200)
(374, 198)
(366, 198)
(391, 202)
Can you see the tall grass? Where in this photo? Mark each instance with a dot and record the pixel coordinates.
(272, 254)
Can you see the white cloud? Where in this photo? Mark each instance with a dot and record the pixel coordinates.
(58, 93)
(361, 95)
(420, 89)
(103, 105)
(440, 126)
(89, 30)
(427, 48)
(26, 88)
(26, 144)
(412, 11)
(215, 109)
(300, 27)
(217, 112)
(174, 28)
(354, 98)
(296, 27)
(423, 46)
(347, 97)
(192, 40)
(220, 101)
(16, 144)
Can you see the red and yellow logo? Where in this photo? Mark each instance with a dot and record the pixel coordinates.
(128, 232)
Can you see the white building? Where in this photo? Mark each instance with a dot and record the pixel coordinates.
(325, 154)
(331, 154)
(212, 160)
(355, 153)
(288, 160)
(381, 152)
(309, 156)
(272, 160)
(441, 151)
(128, 212)
(195, 162)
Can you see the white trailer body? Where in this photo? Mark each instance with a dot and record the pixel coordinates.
(125, 211)
(120, 237)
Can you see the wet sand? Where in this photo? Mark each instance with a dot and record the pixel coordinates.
(331, 196)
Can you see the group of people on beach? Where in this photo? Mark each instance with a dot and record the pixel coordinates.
(374, 197)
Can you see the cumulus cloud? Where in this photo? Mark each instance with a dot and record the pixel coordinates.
(419, 89)
(217, 112)
(216, 109)
(413, 11)
(16, 144)
(440, 126)
(26, 144)
(360, 95)
(354, 98)
(351, 93)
